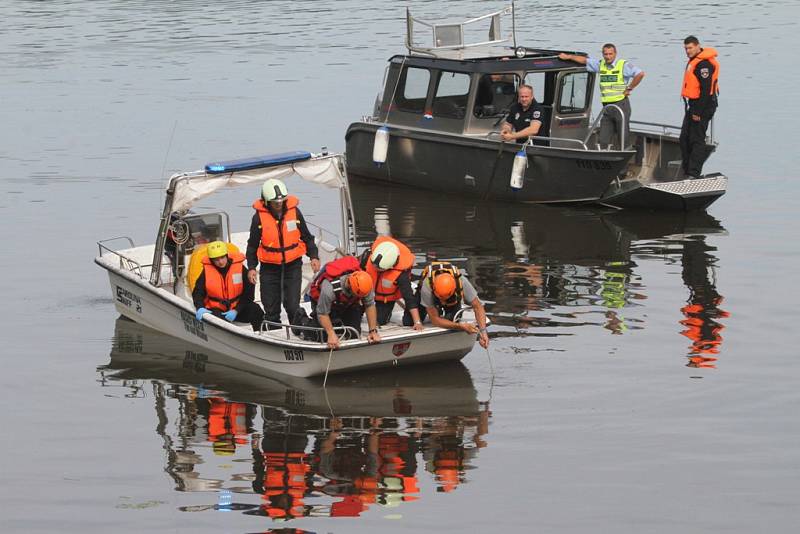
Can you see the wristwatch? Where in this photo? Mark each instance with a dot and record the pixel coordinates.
(371, 330)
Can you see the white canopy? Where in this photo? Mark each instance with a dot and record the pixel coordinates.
(191, 187)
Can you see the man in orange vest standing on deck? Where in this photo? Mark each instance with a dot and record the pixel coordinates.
(279, 238)
(700, 89)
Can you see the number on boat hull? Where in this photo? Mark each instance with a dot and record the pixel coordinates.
(293, 355)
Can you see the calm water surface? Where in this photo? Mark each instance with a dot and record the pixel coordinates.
(643, 369)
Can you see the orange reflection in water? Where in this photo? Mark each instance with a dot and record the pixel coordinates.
(702, 311)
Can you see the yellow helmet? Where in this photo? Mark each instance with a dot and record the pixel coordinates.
(224, 447)
(217, 249)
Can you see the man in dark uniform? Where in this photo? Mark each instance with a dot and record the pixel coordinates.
(525, 117)
(700, 97)
(279, 238)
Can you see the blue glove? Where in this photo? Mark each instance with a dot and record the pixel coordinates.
(200, 312)
(230, 315)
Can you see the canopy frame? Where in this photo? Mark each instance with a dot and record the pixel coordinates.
(184, 189)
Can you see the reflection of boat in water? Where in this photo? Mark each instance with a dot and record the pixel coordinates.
(441, 390)
(534, 258)
(364, 440)
(435, 126)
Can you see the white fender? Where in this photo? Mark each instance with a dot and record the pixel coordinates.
(381, 146)
(518, 170)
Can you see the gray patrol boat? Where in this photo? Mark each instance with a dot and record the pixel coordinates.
(435, 125)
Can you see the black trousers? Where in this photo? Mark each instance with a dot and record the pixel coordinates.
(249, 313)
(384, 311)
(611, 125)
(271, 290)
(694, 151)
(350, 316)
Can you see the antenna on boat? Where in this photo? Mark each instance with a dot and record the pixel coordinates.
(166, 157)
(514, 24)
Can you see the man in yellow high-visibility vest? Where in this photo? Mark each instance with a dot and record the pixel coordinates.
(618, 77)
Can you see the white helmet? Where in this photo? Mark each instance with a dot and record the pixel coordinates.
(385, 255)
(273, 190)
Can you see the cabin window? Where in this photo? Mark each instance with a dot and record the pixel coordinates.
(413, 90)
(573, 98)
(451, 95)
(495, 94)
(537, 81)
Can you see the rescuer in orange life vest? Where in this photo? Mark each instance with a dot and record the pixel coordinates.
(389, 263)
(278, 240)
(441, 290)
(340, 293)
(223, 289)
(700, 89)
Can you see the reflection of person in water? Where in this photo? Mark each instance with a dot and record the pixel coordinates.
(702, 309)
(282, 473)
(365, 469)
(228, 424)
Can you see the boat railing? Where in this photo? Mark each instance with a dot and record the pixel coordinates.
(348, 331)
(578, 142)
(603, 110)
(670, 130)
(321, 233)
(450, 36)
(459, 313)
(125, 263)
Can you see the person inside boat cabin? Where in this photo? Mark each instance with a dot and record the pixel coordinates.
(495, 94)
(618, 77)
(279, 238)
(340, 295)
(441, 290)
(389, 263)
(524, 118)
(223, 289)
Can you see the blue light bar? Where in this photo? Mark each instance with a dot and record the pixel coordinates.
(258, 162)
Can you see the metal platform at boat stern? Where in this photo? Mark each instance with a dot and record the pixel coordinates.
(697, 186)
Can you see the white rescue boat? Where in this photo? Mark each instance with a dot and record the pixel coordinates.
(153, 289)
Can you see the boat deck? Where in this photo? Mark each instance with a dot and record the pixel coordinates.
(134, 261)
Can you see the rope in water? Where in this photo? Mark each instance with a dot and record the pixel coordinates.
(328, 368)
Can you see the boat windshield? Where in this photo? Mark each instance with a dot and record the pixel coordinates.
(495, 94)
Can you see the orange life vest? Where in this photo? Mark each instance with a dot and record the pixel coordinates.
(280, 240)
(385, 282)
(333, 271)
(223, 292)
(227, 418)
(286, 475)
(691, 85)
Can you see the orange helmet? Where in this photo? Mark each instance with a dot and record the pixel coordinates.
(444, 285)
(360, 283)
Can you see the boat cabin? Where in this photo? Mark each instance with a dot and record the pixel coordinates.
(466, 87)
(472, 96)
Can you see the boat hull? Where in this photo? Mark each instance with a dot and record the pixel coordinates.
(158, 309)
(478, 167)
